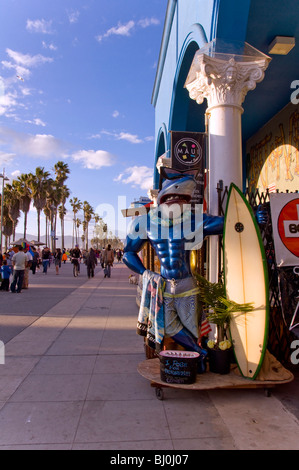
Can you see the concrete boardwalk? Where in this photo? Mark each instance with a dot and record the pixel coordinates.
(70, 381)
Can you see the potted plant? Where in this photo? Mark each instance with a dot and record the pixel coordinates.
(219, 311)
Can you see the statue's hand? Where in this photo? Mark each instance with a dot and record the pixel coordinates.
(261, 215)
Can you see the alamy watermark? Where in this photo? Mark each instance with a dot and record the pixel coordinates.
(174, 221)
(2, 353)
(166, 221)
(295, 94)
(295, 354)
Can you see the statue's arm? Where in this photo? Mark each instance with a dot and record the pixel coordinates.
(136, 239)
(213, 225)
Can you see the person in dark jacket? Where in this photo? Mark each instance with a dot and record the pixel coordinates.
(91, 262)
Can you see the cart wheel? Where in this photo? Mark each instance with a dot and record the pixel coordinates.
(159, 393)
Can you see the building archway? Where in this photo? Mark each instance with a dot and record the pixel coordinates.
(185, 114)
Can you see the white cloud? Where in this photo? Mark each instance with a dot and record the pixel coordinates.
(119, 30)
(132, 138)
(73, 16)
(50, 46)
(39, 26)
(35, 146)
(94, 159)
(129, 138)
(15, 174)
(37, 122)
(7, 102)
(26, 91)
(41, 145)
(6, 158)
(115, 114)
(22, 63)
(141, 176)
(27, 60)
(127, 28)
(146, 22)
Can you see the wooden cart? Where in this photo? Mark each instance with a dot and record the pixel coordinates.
(150, 369)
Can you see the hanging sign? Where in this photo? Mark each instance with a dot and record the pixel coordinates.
(187, 150)
(188, 153)
(285, 223)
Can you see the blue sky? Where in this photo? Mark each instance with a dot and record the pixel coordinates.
(76, 79)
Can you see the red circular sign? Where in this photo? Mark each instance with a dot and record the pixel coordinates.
(288, 226)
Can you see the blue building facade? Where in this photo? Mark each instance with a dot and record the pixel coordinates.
(190, 25)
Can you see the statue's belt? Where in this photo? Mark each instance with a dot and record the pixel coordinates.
(194, 291)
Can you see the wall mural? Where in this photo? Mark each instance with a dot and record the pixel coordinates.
(273, 153)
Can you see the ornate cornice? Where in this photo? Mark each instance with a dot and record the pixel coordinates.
(223, 82)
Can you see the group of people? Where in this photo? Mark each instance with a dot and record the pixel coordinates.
(18, 261)
(91, 258)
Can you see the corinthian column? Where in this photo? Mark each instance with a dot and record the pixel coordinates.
(224, 84)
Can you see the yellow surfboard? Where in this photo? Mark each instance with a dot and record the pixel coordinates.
(246, 281)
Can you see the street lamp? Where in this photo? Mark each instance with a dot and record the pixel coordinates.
(4, 178)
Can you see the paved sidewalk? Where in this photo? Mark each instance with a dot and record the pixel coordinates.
(70, 381)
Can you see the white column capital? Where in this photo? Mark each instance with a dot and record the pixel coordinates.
(223, 82)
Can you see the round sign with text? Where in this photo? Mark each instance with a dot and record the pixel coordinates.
(288, 226)
(188, 151)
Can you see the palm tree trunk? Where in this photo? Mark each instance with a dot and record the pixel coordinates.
(62, 233)
(62, 228)
(73, 237)
(38, 225)
(25, 224)
(46, 232)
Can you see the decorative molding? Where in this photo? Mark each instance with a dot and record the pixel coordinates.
(223, 82)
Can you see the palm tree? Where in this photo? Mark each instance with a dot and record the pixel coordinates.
(24, 192)
(88, 214)
(47, 213)
(65, 194)
(7, 224)
(62, 171)
(40, 183)
(96, 221)
(11, 198)
(53, 201)
(76, 206)
(78, 223)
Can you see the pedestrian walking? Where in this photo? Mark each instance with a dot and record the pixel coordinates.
(91, 262)
(45, 259)
(108, 258)
(57, 260)
(27, 268)
(76, 256)
(35, 258)
(5, 273)
(19, 261)
(64, 256)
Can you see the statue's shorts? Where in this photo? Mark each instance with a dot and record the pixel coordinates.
(181, 306)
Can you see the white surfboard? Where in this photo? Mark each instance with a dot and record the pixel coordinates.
(246, 281)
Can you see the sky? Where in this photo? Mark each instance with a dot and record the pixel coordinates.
(76, 80)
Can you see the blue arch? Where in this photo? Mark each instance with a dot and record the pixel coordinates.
(161, 148)
(180, 101)
(178, 115)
